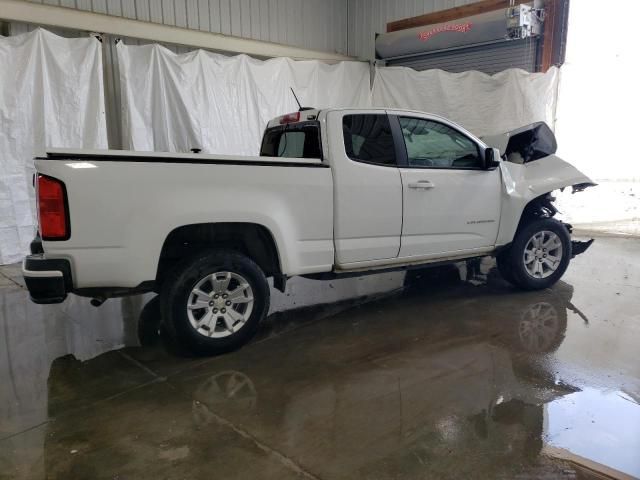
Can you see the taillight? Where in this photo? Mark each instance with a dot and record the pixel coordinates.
(290, 118)
(52, 209)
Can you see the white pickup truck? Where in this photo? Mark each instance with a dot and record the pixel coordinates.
(336, 192)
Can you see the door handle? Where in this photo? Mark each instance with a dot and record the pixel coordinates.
(424, 184)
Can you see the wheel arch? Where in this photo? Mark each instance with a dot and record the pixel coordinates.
(251, 239)
(540, 206)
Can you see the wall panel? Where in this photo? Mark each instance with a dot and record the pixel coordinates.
(314, 24)
(301, 23)
(342, 26)
(368, 17)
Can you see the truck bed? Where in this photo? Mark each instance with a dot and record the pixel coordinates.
(123, 205)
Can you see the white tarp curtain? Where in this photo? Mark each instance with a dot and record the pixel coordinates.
(483, 104)
(175, 102)
(51, 95)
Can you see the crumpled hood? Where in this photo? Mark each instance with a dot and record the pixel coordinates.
(524, 144)
(531, 166)
(542, 176)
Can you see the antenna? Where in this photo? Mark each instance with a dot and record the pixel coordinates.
(296, 97)
(300, 107)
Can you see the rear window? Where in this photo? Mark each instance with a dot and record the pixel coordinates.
(292, 141)
(368, 138)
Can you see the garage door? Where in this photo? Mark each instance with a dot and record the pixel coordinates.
(490, 58)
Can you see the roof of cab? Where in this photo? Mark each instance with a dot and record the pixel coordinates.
(313, 113)
(303, 116)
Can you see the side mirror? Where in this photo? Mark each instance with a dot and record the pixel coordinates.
(491, 158)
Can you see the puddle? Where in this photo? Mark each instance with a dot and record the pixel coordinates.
(598, 430)
(463, 378)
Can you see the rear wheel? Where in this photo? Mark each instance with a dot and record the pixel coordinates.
(213, 302)
(538, 256)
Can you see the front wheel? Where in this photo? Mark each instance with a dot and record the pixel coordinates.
(213, 302)
(538, 256)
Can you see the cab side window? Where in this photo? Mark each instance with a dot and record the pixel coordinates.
(432, 144)
(368, 139)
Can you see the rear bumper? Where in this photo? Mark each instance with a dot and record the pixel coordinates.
(48, 280)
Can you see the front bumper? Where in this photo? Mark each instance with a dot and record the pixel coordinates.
(578, 247)
(48, 280)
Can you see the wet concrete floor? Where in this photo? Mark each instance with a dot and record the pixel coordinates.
(419, 376)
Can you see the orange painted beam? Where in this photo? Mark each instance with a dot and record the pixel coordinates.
(450, 14)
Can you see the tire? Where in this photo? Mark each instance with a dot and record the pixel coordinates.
(504, 266)
(210, 322)
(149, 322)
(545, 231)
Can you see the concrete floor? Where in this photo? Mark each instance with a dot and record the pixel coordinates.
(423, 376)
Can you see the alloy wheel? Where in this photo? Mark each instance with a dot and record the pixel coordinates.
(220, 304)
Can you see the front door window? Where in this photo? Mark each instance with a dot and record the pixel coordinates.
(431, 144)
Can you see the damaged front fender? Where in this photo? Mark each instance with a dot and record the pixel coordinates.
(526, 182)
(530, 171)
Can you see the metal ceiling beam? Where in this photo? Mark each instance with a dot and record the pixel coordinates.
(62, 17)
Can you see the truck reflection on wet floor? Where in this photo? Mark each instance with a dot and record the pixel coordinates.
(401, 384)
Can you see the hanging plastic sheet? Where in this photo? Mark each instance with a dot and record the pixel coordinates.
(176, 102)
(483, 104)
(51, 95)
